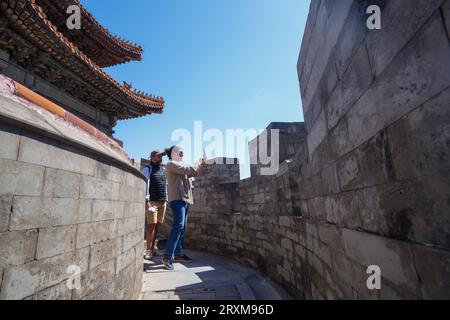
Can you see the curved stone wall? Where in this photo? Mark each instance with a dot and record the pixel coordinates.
(252, 221)
(70, 209)
(370, 184)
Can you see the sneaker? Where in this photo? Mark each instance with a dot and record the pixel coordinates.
(148, 255)
(168, 263)
(157, 253)
(183, 259)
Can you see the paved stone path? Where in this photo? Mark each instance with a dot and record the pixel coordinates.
(210, 277)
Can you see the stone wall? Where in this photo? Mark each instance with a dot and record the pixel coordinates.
(65, 200)
(370, 182)
(376, 110)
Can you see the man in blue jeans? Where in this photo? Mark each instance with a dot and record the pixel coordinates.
(180, 197)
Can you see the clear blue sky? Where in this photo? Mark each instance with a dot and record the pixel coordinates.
(228, 63)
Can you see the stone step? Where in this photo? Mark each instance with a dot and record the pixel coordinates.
(263, 288)
(245, 292)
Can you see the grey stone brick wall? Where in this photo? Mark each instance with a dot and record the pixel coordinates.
(369, 183)
(60, 206)
(376, 109)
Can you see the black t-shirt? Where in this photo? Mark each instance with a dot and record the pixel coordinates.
(158, 184)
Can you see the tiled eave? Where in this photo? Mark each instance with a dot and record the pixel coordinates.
(28, 20)
(95, 40)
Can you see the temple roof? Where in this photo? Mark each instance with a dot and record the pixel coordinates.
(52, 55)
(93, 39)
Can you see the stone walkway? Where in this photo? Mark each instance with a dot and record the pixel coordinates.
(210, 277)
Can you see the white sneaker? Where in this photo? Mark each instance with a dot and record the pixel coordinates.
(148, 255)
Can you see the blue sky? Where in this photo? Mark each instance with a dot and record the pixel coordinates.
(229, 63)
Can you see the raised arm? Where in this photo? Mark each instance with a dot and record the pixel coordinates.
(190, 171)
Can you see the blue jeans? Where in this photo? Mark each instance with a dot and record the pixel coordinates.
(175, 243)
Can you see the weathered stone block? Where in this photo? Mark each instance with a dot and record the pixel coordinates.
(393, 257)
(128, 241)
(96, 277)
(1, 277)
(375, 161)
(45, 152)
(316, 208)
(34, 212)
(5, 212)
(322, 95)
(22, 178)
(55, 241)
(17, 247)
(355, 82)
(350, 42)
(95, 232)
(318, 133)
(23, 281)
(140, 221)
(61, 184)
(310, 55)
(411, 210)
(400, 22)
(359, 284)
(371, 218)
(285, 221)
(127, 226)
(446, 12)
(58, 292)
(339, 140)
(427, 149)
(107, 210)
(103, 252)
(9, 142)
(348, 172)
(94, 188)
(329, 234)
(343, 272)
(329, 180)
(83, 235)
(125, 259)
(138, 238)
(128, 193)
(390, 291)
(401, 88)
(287, 244)
(333, 27)
(433, 269)
(108, 172)
(134, 209)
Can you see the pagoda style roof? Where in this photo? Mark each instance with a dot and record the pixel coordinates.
(93, 39)
(36, 43)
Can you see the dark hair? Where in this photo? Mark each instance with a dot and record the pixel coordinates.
(168, 152)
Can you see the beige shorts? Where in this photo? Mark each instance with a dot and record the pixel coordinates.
(155, 211)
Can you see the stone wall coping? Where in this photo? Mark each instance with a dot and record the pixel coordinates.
(60, 125)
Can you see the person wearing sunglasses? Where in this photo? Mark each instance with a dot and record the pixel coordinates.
(180, 197)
